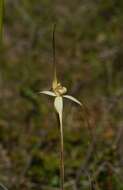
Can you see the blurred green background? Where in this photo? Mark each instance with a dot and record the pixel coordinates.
(89, 53)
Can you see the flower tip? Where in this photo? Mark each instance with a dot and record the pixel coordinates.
(46, 92)
(73, 99)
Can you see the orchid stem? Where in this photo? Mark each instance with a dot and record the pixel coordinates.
(62, 157)
(61, 154)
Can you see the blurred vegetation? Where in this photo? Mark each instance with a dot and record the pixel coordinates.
(89, 50)
(1, 18)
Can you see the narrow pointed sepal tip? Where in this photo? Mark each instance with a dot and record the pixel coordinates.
(46, 92)
(73, 99)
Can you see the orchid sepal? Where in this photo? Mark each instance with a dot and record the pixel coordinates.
(73, 99)
(49, 93)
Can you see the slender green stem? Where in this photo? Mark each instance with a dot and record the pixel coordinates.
(59, 119)
(61, 156)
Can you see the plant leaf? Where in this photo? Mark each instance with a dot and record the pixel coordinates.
(58, 103)
(73, 99)
(46, 92)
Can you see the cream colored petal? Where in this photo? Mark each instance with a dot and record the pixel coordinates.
(73, 99)
(58, 103)
(47, 93)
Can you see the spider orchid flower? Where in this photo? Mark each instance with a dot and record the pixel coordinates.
(59, 92)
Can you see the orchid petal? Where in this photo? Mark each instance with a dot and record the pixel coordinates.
(47, 93)
(58, 103)
(73, 99)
